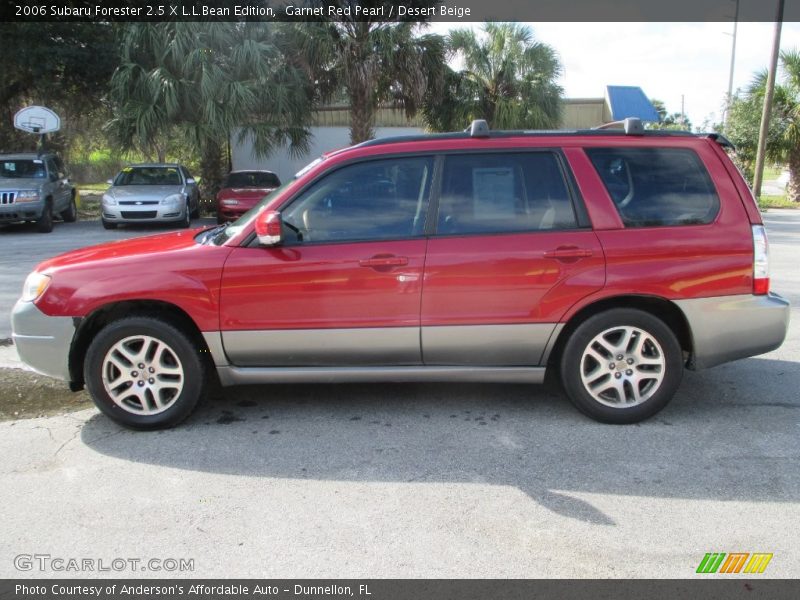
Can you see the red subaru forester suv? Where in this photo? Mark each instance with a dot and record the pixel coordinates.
(616, 257)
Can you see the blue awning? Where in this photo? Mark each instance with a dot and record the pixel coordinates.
(630, 101)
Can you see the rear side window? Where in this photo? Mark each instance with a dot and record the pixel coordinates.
(502, 193)
(656, 186)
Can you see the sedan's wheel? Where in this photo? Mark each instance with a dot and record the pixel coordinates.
(187, 217)
(70, 214)
(144, 373)
(621, 366)
(107, 225)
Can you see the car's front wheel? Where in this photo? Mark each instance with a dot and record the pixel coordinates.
(144, 373)
(186, 221)
(621, 366)
(44, 224)
(70, 214)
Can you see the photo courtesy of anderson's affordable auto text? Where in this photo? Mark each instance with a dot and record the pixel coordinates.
(393, 300)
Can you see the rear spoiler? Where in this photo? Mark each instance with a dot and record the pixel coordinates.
(721, 140)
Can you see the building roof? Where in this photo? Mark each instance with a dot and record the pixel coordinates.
(630, 101)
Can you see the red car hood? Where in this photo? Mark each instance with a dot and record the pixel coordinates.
(140, 247)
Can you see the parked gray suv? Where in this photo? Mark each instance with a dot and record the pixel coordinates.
(33, 188)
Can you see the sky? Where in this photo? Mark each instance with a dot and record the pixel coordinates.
(667, 60)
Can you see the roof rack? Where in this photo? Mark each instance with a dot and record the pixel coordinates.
(631, 126)
(479, 128)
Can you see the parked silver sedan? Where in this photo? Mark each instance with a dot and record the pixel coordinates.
(151, 193)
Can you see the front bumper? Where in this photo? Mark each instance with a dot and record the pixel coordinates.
(727, 328)
(42, 342)
(17, 212)
(147, 213)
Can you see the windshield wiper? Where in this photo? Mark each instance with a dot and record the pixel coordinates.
(212, 233)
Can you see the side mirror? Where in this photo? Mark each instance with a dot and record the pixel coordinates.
(269, 228)
(190, 181)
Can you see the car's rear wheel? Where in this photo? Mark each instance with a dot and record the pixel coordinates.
(621, 366)
(44, 224)
(144, 373)
(70, 215)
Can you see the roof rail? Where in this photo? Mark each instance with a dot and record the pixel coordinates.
(631, 125)
(478, 128)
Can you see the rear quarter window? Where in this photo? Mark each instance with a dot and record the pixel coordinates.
(654, 187)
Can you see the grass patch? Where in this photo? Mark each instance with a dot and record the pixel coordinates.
(772, 173)
(89, 208)
(776, 202)
(94, 187)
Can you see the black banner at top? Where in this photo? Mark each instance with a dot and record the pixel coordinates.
(599, 11)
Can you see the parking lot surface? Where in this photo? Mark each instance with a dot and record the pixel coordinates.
(418, 480)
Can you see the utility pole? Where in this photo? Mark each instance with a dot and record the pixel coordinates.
(729, 98)
(765, 113)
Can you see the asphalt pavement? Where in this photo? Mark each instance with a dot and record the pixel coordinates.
(421, 480)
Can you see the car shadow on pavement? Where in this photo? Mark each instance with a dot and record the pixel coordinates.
(730, 434)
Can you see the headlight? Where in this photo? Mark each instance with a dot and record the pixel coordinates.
(35, 285)
(230, 202)
(109, 200)
(173, 199)
(27, 196)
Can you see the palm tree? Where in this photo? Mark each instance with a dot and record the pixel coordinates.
(508, 78)
(783, 140)
(199, 82)
(367, 63)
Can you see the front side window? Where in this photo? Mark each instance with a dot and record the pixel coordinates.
(656, 186)
(502, 193)
(381, 199)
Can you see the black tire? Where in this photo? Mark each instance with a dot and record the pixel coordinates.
(220, 219)
(127, 412)
(196, 210)
(107, 225)
(70, 215)
(44, 224)
(186, 222)
(614, 377)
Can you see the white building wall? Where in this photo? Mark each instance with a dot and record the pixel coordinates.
(323, 139)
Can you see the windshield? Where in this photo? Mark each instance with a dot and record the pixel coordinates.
(252, 179)
(23, 169)
(148, 176)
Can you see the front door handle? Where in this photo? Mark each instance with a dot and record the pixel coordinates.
(566, 253)
(384, 260)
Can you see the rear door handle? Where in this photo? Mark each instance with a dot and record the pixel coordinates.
(384, 261)
(568, 252)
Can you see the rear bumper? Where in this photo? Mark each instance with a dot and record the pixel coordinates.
(42, 342)
(731, 327)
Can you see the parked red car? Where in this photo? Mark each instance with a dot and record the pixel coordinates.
(241, 191)
(616, 258)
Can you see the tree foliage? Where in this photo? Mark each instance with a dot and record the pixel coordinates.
(666, 120)
(368, 63)
(64, 66)
(200, 82)
(783, 138)
(508, 78)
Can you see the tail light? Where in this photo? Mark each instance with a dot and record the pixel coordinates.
(760, 260)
